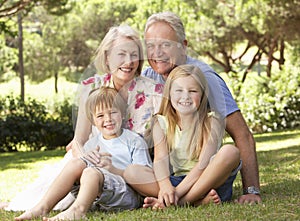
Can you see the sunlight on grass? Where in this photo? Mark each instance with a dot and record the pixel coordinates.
(42, 91)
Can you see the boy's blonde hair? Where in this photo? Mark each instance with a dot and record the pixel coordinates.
(104, 98)
(201, 130)
(108, 43)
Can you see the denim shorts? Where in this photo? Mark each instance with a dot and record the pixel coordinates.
(224, 191)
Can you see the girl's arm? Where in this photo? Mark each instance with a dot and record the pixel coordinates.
(208, 150)
(161, 167)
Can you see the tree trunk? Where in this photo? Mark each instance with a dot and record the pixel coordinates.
(55, 82)
(21, 63)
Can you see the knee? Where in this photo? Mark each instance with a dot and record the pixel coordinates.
(90, 173)
(230, 152)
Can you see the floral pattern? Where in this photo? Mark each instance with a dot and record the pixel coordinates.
(144, 97)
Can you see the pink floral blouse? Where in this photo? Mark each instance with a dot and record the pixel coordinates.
(144, 98)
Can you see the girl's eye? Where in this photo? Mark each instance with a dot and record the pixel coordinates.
(100, 116)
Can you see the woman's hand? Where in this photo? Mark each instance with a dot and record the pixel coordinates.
(75, 147)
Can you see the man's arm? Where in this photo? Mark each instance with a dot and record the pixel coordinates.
(243, 138)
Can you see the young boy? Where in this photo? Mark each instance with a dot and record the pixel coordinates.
(102, 183)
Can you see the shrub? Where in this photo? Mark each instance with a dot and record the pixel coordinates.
(30, 123)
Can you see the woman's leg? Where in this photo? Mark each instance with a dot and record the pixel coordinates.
(214, 175)
(91, 184)
(60, 187)
(142, 180)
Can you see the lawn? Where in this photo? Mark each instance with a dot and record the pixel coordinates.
(279, 164)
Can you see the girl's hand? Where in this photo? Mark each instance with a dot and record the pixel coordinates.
(167, 195)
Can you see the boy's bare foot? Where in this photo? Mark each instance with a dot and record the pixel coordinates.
(32, 213)
(3, 205)
(211, 197)
(70, 214)
(153, 203)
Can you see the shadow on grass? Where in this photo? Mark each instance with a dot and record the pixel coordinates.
(278, 135)
(21, 160)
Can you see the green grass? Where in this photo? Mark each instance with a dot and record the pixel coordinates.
(279, 164)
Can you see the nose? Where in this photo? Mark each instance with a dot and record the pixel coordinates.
(185, 94)
(158, 51)
(128, 59)
(107, 117)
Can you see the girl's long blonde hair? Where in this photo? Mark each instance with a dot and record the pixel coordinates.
(198, 134)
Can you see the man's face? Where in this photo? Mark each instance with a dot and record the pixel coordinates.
(164, 52)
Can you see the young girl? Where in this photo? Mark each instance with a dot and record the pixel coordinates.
(187, 137)
(102, 181)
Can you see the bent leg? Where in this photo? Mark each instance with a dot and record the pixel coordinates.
(141, 179)
(91, 183)
(60, 187)
(214, 175)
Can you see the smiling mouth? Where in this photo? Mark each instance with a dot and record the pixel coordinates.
(127, 70)
(185, 103)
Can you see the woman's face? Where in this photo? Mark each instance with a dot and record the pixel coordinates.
(123, 60)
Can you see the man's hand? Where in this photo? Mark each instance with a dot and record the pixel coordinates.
(249, 199)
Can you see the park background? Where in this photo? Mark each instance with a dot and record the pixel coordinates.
(46, 48)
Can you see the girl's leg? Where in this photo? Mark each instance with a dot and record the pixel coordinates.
(141, 179)
(91, 184)
(60, 187)
(215, 174)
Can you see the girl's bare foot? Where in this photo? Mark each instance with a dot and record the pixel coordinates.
(72, 213)
(153, 203)
(32, 213)
(211, 197)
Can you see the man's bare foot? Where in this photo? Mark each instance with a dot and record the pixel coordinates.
(32, 213)
(72, 213)
(153, 203)
(211, 197)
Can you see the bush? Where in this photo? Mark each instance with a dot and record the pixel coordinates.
(272, 103)
(30, 123)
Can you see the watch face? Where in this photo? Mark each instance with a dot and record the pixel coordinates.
(252, 190)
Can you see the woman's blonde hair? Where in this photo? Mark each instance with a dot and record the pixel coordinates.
(108, 43)
(201, 130)
(103, 98)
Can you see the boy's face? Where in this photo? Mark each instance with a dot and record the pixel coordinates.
(108, 121)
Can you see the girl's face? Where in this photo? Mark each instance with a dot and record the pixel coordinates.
(108, 121)
(123, 60)
(185, 94)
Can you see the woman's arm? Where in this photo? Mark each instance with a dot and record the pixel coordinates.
(83, 126)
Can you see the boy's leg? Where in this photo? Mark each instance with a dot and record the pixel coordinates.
(214, 175)
(141, 179)
(60, 187)
(91, 183)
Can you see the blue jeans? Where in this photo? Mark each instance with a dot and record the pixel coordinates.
(224, 191)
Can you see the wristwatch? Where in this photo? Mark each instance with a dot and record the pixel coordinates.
(251, 190)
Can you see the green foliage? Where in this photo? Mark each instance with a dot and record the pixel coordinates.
(30, 123)
(271, 104)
